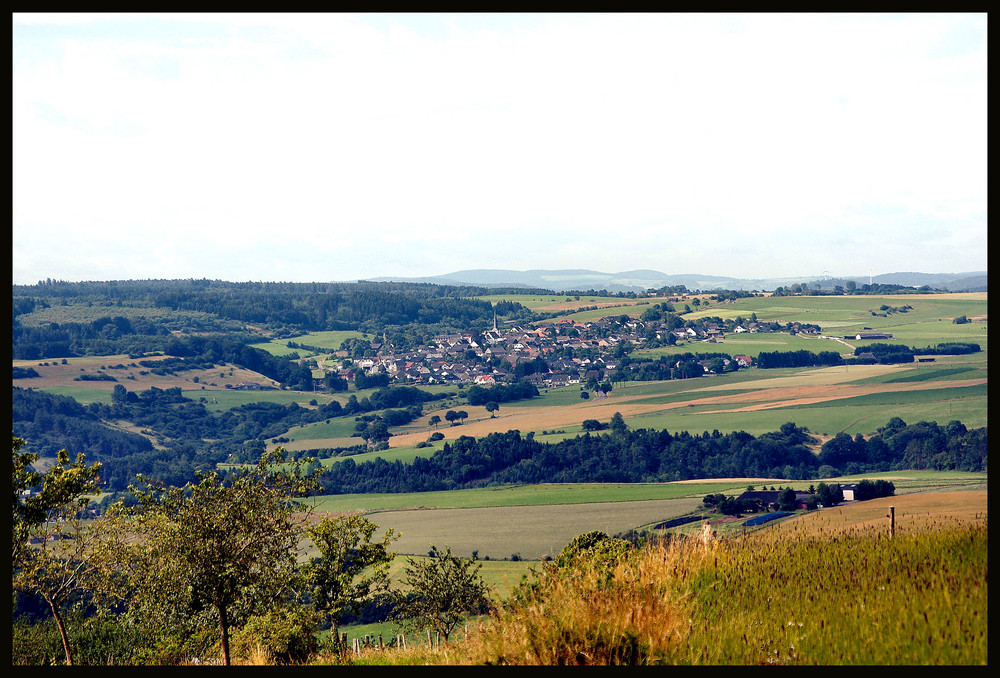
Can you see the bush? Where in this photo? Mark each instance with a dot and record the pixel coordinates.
(283, 636)
(94, 642)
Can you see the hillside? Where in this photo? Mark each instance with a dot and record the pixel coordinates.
(563, 280)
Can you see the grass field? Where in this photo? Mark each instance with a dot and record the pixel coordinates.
(533, 520)
(328, 340)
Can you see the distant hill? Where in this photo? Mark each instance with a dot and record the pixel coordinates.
(562, 280)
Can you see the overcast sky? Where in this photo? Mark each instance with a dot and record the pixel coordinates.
(300, 147)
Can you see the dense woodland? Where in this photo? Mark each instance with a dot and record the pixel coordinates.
(409, 312)
(642, 455)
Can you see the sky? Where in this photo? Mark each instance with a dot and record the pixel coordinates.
(331, 147)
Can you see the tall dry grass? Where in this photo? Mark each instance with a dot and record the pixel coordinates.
(860, 597)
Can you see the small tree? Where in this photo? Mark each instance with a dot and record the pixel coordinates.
(618, 424)
(492, 407)
(829, 495)
(57, 568)
(225, 544)
(440, 592)
(352, 566)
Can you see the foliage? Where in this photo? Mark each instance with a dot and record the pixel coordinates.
(352, 568)
(49, 543)
(595, 546)
(224, 547)
(644, 455)
(501, 393)
(440, 592)
(284, 635)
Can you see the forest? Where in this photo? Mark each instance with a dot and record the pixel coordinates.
(409, 312)
(632, 456)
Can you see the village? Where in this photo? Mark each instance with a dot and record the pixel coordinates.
(561, 353)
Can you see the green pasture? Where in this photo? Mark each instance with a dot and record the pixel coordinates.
(927, 323)
(83, 395)
(850, 312)
(217, 400)
(327, 340)
(521, 495)
(633, 310)
(864, 414)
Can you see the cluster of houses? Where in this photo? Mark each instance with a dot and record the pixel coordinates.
(468, 358)
(769, 498)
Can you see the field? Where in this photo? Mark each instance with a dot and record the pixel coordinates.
(837, 549)
(538, 520)
(328, 341)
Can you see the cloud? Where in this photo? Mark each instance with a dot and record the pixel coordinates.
(432, 142)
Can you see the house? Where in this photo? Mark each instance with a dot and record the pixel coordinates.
(556, 380)
(484, 380)
(247, 386)
(743, 360)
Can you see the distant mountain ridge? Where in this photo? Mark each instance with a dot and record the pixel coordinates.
(562, 280)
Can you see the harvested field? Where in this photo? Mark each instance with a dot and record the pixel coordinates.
(130, 375)
(531, 531)
(914, 512)
(759, 395)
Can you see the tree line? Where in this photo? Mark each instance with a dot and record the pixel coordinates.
(644, 455)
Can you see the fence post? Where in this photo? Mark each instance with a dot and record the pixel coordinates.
(430, 639)
(892, 521)
(380, 646)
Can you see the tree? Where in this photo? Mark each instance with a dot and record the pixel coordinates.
(618, 424)
(441, 591)
(57, 568)
(352, 566)
(451, 416)
(434, 420)
(584, 395)
(829, 495)
(376, 432)
(461, 415)
(786, 500)
(223, 544)
(492, 407)
(64, 484)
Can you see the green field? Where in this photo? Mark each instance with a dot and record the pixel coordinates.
(328, 340)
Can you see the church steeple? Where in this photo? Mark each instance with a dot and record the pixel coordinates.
(494, 320)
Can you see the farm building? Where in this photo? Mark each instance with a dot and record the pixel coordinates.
(872, 335)
(764, 497)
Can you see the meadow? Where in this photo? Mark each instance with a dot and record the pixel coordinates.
(828, 587)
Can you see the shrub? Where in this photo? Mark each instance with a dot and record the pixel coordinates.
(283, 636)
